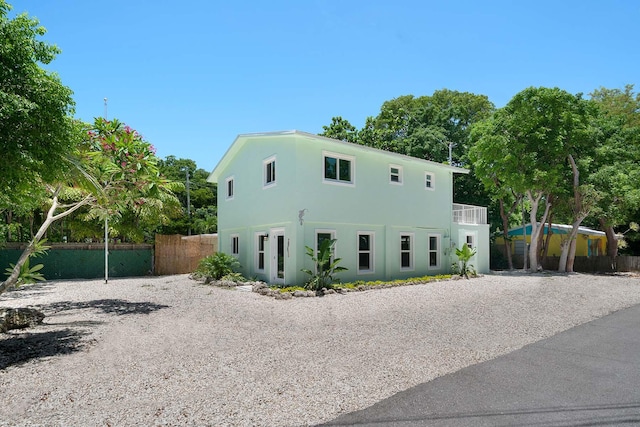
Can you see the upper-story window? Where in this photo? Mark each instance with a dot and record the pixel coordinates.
(429, 181)
(230, 188)
(269, 172)
(338, 168)
(395, 174)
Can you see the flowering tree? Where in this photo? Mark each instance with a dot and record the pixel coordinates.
(115, 171)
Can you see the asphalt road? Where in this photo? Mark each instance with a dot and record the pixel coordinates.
(586, 376)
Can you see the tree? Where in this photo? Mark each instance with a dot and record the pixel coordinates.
(35, 107)
(537, 146)
(116, 171)
(617, 171)
(202, 197)
(340, 129)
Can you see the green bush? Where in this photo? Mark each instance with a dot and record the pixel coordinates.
(215, 266)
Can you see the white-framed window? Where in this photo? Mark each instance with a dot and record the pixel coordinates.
(269, 172)
(470, 240)
(366, 244)
(406, 251)
(434, 250)
(261, 239)
(429, 181)
(338, 168)
(322, 235)
(229, 188)
(395, 174)
(235, 245)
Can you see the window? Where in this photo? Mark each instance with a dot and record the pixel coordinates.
(429, 181)
(406, 252)
(365, 253)
(338, 168)
(230, 188)
(322, 235)
(470, 241)
(269, 169)
(395, 174)
(261, 238)
(434, 251)
(235, 244)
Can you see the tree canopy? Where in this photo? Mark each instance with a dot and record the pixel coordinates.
(36, 128)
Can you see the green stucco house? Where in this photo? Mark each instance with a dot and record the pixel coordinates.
(393, 216)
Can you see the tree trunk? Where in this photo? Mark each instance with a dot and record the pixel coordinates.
(572, 255)
(51, 217)
(612, 242)
(535, 229)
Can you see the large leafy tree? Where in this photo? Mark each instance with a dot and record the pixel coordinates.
(540, 145)
(617, 171)
(35, 125)
(115, 172)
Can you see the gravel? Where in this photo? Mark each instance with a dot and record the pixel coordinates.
(168, 351)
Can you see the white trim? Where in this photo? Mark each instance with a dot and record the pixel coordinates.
(332, 234)
(371, 252)
(431, 181)
(474, 238)
(273, 248)
(256, 259)
(399, 174)
(338, 157)
(226, 188)
(265, 165)
(411, 251)
(438, 250)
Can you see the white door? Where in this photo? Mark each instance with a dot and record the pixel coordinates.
(278, 255)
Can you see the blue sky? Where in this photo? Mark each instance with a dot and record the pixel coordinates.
(193, 74)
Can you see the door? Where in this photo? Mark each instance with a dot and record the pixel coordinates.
(277, 256)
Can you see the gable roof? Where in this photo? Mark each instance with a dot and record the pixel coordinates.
(242, 139)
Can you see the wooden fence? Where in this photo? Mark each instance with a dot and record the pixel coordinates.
(177, 254)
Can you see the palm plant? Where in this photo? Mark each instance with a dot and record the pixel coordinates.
(323, 277)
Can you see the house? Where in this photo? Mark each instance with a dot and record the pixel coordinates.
(589, 242)
(393, 216)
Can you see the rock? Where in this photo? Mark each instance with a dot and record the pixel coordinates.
(329, 292)
(259, 285)
(300, 294)
(284, 295)
(19, 318)
(311, 293)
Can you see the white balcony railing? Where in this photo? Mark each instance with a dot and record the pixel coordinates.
(468, 214)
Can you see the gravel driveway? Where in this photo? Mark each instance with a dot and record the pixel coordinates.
(171, 351)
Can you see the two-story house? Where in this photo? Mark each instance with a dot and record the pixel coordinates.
(393, 216)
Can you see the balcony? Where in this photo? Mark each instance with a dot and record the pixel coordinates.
(469, 214)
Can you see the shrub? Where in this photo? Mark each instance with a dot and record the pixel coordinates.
(215, 266)
(325, 268)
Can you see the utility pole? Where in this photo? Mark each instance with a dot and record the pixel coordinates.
(106, 226)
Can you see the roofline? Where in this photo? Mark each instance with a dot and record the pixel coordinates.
(211, 178)
(581, 229)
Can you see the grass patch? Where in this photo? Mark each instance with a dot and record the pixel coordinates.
(397, 282)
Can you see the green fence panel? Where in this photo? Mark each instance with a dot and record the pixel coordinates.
(87, 262)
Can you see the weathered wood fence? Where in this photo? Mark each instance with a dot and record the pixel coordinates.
(177, 254)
